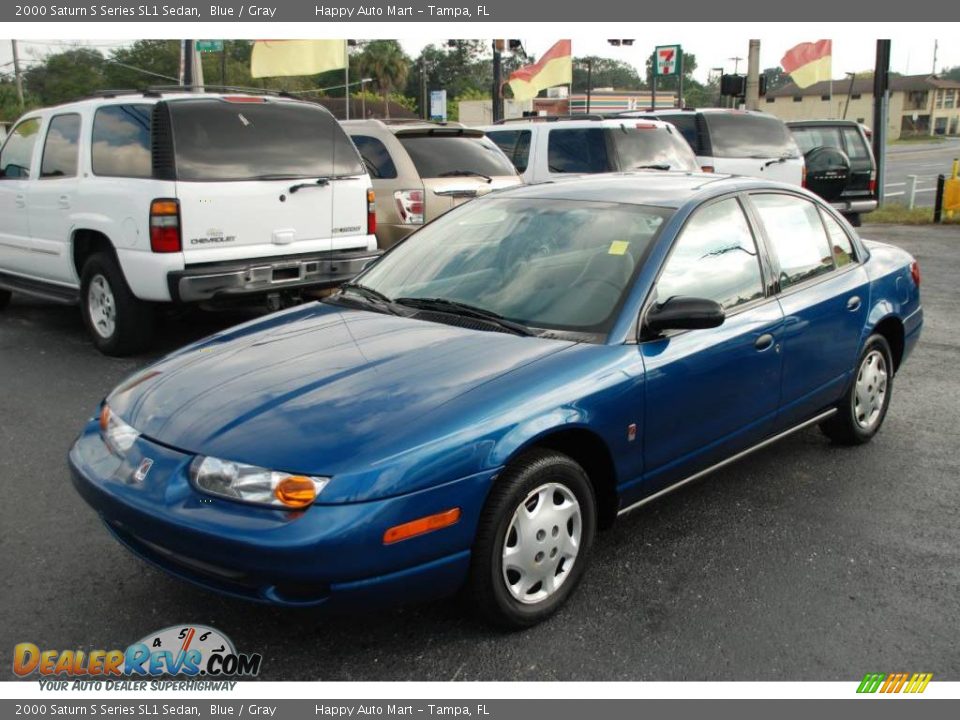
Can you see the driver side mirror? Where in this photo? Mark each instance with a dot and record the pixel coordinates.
(684, 313)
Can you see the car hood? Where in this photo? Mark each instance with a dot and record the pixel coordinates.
(317, 389)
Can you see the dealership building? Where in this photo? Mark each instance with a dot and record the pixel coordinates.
(919, 104)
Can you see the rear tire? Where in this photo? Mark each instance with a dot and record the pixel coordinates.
(533, 541)
(118, 322)
(864, 406)
(5, 296)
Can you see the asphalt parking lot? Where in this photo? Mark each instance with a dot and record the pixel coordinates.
(802, 562)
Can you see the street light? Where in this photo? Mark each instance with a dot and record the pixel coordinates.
(363, 97)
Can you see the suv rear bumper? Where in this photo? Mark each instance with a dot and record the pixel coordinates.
(207, 281)
(855, 206)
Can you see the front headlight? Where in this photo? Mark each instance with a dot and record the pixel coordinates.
(119, 436)
(252, 484)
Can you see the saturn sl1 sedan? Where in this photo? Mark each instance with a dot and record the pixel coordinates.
(471, 409)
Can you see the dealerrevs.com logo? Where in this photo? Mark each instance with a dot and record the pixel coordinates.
(179, 650)
(889, 683)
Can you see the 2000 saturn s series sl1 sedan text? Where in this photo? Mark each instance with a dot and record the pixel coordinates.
(473, 407)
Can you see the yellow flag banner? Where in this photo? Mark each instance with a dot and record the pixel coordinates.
(554, 68)
(275, 58)
(808, 62)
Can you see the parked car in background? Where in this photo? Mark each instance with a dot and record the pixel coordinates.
(736, 142)
(422, 169)
(840, 164)
(518, 373)
(126, 201)
(553, 147)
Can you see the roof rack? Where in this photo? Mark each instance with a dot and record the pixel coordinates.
(207, 87)
(551, 118)
(118, 93)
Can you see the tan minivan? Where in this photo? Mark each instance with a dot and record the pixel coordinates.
(422, 169)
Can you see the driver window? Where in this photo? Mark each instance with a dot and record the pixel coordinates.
(715, 258)
(17, 153)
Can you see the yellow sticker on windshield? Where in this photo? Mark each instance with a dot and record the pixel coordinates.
(618, 247)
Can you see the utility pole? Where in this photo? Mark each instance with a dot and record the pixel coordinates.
(188, 63)
(736, 63)
(589, 83)
(753, 76)
(497, 81)
(424, 101)
(16, 73)
(653, 81)
(935, 57)
(880, 86)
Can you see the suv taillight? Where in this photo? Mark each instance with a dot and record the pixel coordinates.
(803, 176)
(873, 183)
(371, 212)
(915, 272)
(165, 226)
(410, 206)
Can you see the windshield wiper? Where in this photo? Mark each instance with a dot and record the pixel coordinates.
(319, 182)
(466, 173)
(458, 308)
(369, 294)
(653, 166)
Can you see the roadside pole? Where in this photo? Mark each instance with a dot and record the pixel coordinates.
(752, 92)
(16, 73)
(911, 191)
(938, 202)
(497, 94)
(880, 86)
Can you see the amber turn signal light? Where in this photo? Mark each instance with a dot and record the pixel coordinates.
(296, 491)
(421, 526)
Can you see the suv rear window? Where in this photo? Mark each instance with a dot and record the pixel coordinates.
(813, 136)
(643, 146)
(442, 155)
(739, 135)
(221, 140)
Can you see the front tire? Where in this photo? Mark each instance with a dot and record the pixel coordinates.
(118, 322)
(863, 408)
(5, 296)
(533, 540)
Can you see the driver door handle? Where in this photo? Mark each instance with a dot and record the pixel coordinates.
(764, 341)
(853, 304)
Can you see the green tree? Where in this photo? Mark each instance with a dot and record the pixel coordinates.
(10, 108)
(65, 76)
(776, 78)
(605, 72)
(952, 73)
(387, 64)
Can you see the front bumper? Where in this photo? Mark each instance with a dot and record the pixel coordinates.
(329, 555)
(208, 281)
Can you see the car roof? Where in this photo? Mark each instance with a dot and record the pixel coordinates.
(125, 97)
(643, 187)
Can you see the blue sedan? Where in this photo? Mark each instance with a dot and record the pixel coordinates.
(470, 410)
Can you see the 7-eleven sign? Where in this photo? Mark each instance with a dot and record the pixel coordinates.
(668, 60)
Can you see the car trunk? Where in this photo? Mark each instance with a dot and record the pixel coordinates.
(260, 178)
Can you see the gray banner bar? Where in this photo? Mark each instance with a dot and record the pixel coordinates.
(220, 708)
(468, 12)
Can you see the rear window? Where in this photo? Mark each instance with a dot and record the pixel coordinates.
(739, 135)
(219, 140)
(813, 136)
(655, 147)
(856, 144)
(578, 150)
(448, 155)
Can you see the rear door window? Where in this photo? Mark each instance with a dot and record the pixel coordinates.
(61, 149)
(578, 150)
(376, 157)
(797, 234)
(450, 155)
(515, 144)
(229, 141)
(741, 135)
(714, 258)
(17, 153)
(120, 143)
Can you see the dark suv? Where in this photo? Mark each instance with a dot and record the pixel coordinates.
(840, 166)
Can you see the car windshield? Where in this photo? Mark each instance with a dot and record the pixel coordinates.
(548, 264)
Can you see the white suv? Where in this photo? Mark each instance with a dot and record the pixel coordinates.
(129, 200)
(551, 147)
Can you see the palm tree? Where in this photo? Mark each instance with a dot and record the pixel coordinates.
(386, 63)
